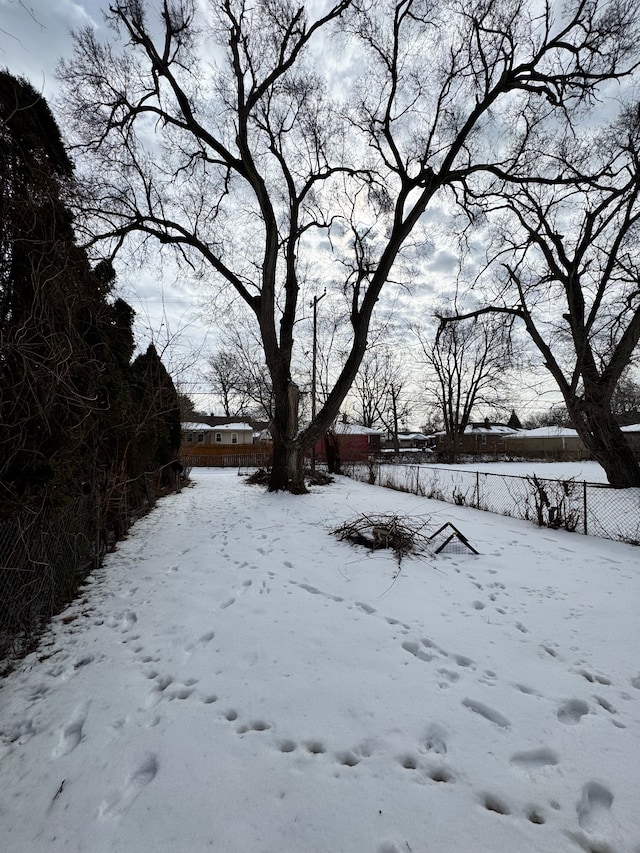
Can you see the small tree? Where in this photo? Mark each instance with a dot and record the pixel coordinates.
(514, 421)
(227, 383)
(238, 374)
(625, 400)
(467, 366)
(379, 389)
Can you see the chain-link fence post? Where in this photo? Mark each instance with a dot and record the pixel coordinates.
(584, 506)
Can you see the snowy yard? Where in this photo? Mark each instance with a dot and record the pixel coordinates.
(236, 680)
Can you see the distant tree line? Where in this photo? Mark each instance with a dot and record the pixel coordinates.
(76, 407)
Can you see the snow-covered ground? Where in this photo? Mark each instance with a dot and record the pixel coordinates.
(235, 679)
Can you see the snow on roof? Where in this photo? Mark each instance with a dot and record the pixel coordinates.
(193, 427)
(233, 427)
(493, 429)
(355, 429)
(238, 427)
(545, 432)
(631, 428)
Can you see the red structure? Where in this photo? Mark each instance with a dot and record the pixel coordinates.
(354, 443)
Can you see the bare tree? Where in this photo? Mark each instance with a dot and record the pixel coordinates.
(467, 366)
(556, 416)
(568, 266)
(397, 409)
(227, 383)
(625, 400)
(243, 165)
(238, 373)
(370, 391)
(380, 392)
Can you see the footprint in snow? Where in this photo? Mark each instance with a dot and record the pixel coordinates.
(495, 804)
(414, 649)
(488, 713)
(120, 801)
(449, 677)
(600, 679)
(129, 620)
(605, 704)
(436, 739)
(71, 733)
(549, 650)
(535, 759)
(594, 807)
(572, 711)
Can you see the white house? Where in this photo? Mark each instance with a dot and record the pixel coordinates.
(194, 434)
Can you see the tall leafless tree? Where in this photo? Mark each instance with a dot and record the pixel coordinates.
(371, 387)
(227, 383)
(244, 163)
(467, 365)
(567, 265)
(238, 374)
(380, 392)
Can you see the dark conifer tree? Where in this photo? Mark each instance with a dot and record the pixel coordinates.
(72, 405)
(514, 421)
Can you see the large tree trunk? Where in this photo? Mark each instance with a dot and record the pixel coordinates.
(287, 464)
(603, 438)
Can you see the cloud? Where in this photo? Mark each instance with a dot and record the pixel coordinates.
(35, 34)
(443, 262)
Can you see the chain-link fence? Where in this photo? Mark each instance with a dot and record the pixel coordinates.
(45, 552)
(594, 508)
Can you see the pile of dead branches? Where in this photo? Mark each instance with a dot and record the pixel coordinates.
(259, 477)
(401, 535)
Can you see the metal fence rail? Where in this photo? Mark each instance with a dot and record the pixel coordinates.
(591, 508)
(46, 551)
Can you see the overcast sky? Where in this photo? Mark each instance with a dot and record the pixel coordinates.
(34, 35)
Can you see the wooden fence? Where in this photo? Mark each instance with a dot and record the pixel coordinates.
(226, 456)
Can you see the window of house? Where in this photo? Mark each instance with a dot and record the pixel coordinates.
(189, 436)
(200, 438)
(234, 438)
(218, 438)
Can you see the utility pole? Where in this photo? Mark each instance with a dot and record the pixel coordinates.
(314, 357)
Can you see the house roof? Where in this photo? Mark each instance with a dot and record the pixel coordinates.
(191, 426)
(631, 428)
(355, 429)
(223, 420)
(231, 427)
(490, 429)
(545, 432)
